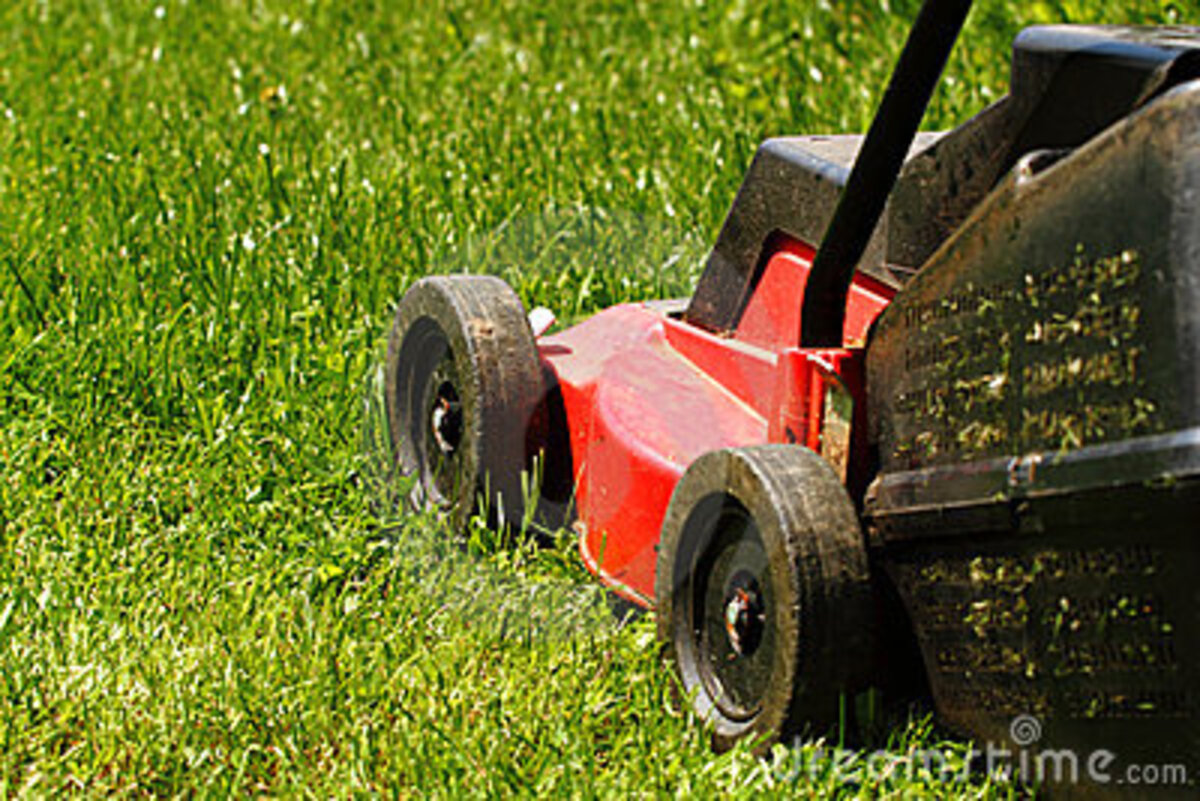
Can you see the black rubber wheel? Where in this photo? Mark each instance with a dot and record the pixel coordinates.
(763, 594)
(464, 396)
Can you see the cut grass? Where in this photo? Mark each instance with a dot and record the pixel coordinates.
(207, 214)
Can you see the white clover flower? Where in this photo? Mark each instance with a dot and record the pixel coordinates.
(248, 243)
(264, 149)
(243, 108)
(159, 12)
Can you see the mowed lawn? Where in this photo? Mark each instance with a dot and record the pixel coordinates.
(208, 211)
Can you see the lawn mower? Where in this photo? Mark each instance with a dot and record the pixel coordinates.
(936, 385)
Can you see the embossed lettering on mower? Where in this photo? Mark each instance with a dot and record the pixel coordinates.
(973, 412)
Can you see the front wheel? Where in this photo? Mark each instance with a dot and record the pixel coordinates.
(464, 396)
(763, 594)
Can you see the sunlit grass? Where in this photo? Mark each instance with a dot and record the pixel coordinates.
(207, 213)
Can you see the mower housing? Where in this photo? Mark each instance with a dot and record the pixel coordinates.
(1014, 406)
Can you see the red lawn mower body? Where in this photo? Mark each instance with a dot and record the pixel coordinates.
(646, 393)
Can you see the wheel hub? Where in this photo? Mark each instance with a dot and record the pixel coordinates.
(445, 419)
(731, 603)
(744, 617)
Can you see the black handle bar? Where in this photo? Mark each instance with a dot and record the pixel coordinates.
(879, 161)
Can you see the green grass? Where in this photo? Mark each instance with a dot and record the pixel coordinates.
(207, 215)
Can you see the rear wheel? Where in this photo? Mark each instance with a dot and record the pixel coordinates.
(763, 594)
(464, 396)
